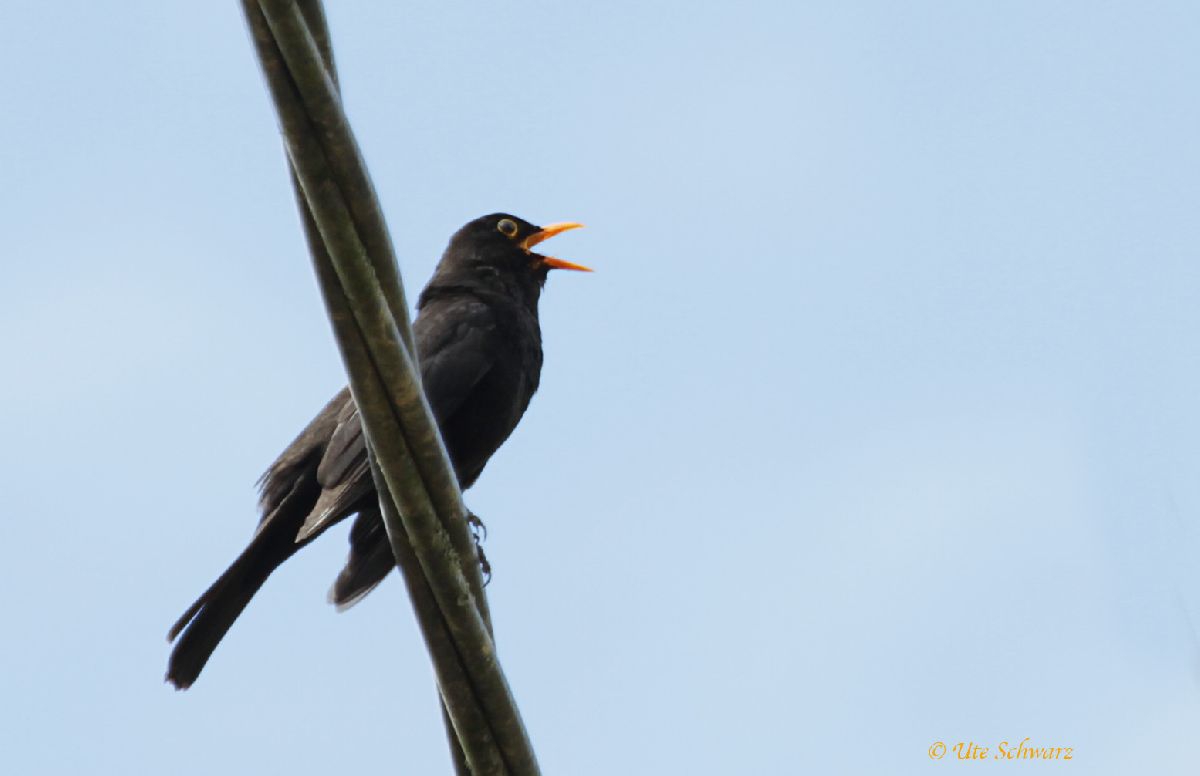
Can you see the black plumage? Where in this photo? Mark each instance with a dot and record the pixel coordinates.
(479, 347)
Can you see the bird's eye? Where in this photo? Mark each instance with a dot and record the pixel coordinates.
(507, 227)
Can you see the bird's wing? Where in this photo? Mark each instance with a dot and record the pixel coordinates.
(300, 456)
(342, 473)
(458, 341)
(457, 348)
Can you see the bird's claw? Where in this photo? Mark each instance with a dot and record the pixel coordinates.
(478, 529)
(484, 566)
(479, 534)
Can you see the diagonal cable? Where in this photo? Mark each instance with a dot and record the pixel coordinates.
(419, 494)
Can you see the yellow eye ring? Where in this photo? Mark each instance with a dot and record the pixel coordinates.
(507, 227)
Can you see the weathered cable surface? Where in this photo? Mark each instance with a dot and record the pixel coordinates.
(420, 499)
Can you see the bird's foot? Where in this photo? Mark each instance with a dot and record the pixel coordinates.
(479, 534)
(484, 566)
(478, 529)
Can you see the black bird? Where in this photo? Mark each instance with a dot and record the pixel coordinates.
(480, 352)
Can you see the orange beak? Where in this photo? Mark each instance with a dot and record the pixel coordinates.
(546, 233)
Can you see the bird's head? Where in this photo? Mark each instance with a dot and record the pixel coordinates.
(496, 251)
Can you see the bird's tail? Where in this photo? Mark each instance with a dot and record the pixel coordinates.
(209, 618)
(370, 561)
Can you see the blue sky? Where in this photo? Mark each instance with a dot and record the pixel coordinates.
(876, 427)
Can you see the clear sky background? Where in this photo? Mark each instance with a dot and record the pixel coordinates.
(878, 425)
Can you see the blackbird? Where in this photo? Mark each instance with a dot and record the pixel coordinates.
(479, 347)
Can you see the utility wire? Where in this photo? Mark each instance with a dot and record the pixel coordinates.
(419, 495)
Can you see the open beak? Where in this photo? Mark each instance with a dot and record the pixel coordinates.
(545, 233)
